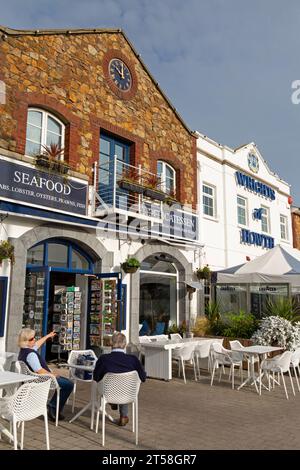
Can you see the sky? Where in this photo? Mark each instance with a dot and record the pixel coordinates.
(226, 65)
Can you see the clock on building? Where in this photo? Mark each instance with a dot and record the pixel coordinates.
(120, 74)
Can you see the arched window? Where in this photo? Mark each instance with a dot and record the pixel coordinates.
(43, 129)
(167, 176)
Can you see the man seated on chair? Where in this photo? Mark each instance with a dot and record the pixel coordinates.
(29, 354)
(118, 362)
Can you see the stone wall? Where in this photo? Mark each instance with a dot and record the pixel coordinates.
(67, 75)
(296, 229)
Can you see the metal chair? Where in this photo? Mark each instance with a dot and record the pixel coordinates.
(72, 361)
(22, 368)
(27, 403)
(119, 389)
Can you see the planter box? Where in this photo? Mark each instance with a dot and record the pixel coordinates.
(131, 186)
(59, 167)
(155, 194)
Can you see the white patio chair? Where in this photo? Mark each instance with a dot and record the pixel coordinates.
(202, 351)
(176, 337)
(184, 353)
(119, 389)
(22, 368)
(277, 365)
(72, 361)
(295, 359)
(161, 337)
(27, 403)
(235, 344)
(222, 357)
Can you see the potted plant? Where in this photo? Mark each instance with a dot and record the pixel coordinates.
(203, 273)
(152, 190)
(50, 159)
(130, 181)
(131, 265)
(7, 251)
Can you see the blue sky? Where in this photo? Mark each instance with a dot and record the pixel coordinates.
(226, 65)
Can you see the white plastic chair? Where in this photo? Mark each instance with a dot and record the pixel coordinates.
(235, 344)
(22, 368)
(202, 351)
(72, 361)
(278, 365)
(176, 337)
(119, 389)
(184, 353)
(27, 403)
(295, 359)
(224, 357)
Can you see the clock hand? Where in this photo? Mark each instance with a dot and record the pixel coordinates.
(118, 70)
(122, 70)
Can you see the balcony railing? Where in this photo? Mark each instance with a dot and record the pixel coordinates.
(120, 188)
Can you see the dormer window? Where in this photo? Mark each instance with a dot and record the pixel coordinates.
(167, 176)
(43, 129)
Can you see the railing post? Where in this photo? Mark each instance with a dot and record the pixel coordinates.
(114, 180)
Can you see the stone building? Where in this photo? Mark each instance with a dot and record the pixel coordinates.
(89, 94)
(296, 227)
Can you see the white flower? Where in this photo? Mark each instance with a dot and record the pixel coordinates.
(278, 330)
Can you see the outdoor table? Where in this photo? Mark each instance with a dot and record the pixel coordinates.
(91, 403)
(252, 351)
(11, 378)
(158, 355)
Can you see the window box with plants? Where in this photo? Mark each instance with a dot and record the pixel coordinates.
(131, 265)
(7, 251)
(170, 198)
(152, 189)
(203, 273)
(50, 159)
(130, 181)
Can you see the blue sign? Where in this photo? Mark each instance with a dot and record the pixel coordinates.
(30, 185)
(258, 239)
(254, 185)
(257, 214)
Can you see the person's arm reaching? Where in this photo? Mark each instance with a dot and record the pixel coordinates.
(42, 340)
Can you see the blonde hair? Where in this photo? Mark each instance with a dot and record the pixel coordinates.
(24, 336)
(118, 340)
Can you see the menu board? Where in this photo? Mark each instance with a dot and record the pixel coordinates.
(33, 310)
(102, 311)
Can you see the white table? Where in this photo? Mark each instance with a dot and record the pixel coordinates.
(158, 355)
(252, 351)
(11, 378)
(91, 403)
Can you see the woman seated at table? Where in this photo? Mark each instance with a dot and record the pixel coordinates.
(36, 363)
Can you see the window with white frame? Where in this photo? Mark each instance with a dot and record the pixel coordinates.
(43, 129)
(284, 227)
(208, 200)
(167, 176)
(265, 219)
(242, 210)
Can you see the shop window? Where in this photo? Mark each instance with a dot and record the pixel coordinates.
(167, 176)
(3, 294)
(283, 227)
(35, 256)
(265, 219)
(208, 200)
(242, 210)
(57, 255)
(79, 261)
(42, 130)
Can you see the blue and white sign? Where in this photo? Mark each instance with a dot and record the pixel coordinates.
(258, 239)
(39, 188)
(254, 185)
(253, 162)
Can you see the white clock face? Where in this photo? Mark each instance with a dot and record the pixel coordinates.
(120, 74)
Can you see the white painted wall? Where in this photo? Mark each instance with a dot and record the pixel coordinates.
(220, 236)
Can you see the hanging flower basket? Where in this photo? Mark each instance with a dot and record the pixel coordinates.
(7, 251)
(131, 265)
(204, 273)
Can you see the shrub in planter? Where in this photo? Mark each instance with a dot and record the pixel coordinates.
(283, 307)
(277, 331)
(50, 159)
(130, 181)
(7, 251)
(201, 326)
(239, 325)
(131, 265)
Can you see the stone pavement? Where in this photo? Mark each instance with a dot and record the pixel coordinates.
(173, 415)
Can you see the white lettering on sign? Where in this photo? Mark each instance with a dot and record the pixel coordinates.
(38, 182)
